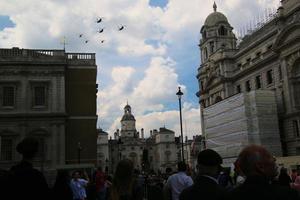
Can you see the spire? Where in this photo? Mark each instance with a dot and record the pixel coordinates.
(215, 6)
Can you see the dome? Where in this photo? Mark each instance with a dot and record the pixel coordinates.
(215, 18)
(128, 117)
(127, 107)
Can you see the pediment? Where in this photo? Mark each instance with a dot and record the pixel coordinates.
(287, 35)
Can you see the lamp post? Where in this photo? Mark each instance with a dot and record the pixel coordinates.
(179, 94)
(79, 148)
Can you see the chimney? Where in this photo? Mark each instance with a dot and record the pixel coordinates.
(150, 133)
(142, 133)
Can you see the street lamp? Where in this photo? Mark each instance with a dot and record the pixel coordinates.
(79, 148)
(179, 94)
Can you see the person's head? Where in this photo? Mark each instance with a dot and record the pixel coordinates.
(181, 166)
(123, 179)
(62, 178)
(255, 160)
(124, 170)
(99, 169)
(209, 163)
(283, 170)
(28, 147)
(76, 175)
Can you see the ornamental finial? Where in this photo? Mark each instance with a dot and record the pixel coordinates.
(215, 6)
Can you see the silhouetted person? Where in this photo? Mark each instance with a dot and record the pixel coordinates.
(29, 183)
(100, 179)
(78, 185)
(284, 179)
(62, 188)
(206, 184)
(124, 186)
(178, 182)
(259, 168)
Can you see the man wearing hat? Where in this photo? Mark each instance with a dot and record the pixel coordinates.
(206, 185)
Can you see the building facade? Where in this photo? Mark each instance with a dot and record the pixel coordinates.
(157, 152)
(49, 95)
(102, 149)
(256, 79)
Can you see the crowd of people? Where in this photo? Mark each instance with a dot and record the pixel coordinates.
(256, 176)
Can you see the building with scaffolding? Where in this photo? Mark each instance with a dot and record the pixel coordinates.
(249, 91)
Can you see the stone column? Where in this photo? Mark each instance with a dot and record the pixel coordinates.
(285, 85)
(62, 147)
(53, 147)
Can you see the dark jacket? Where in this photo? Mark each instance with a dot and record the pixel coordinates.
(261, 188)
(29, 183)
(203, 188)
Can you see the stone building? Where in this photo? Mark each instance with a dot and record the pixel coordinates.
(157, 152)
(250, 91)
(50, 95)
(102, 149)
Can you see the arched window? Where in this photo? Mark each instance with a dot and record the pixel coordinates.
(222, 30)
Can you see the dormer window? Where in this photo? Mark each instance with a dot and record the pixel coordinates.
(204, 34)
(222, 30)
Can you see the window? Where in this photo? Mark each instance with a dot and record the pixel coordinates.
(201, 85)
(150, 159)
(239, 65)
(204, 35)
(248, 87)
(257, 82)
(258, 54)
(205, 53)
(6, 148)
(167, 146)
(8, 97)
(212, 47)
(132, 148)
(39, 96)
(269, 77)
(248, 60)
(222, 31)
(270, 47)
(280, 72)
(296, 128)
(238, 89)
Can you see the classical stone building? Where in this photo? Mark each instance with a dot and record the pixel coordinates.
(102, 149)
(157, 152)
(250, 91)
(50, 95)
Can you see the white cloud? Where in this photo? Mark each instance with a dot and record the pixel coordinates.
(138, 64)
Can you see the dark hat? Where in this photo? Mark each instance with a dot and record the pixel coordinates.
(209, 157)
(28, 147)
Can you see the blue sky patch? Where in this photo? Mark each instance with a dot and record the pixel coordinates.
(5, 22)
(158, 3)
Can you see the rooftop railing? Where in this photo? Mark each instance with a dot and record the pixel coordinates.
(42, 53)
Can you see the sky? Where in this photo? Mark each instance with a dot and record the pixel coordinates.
(143, 64)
